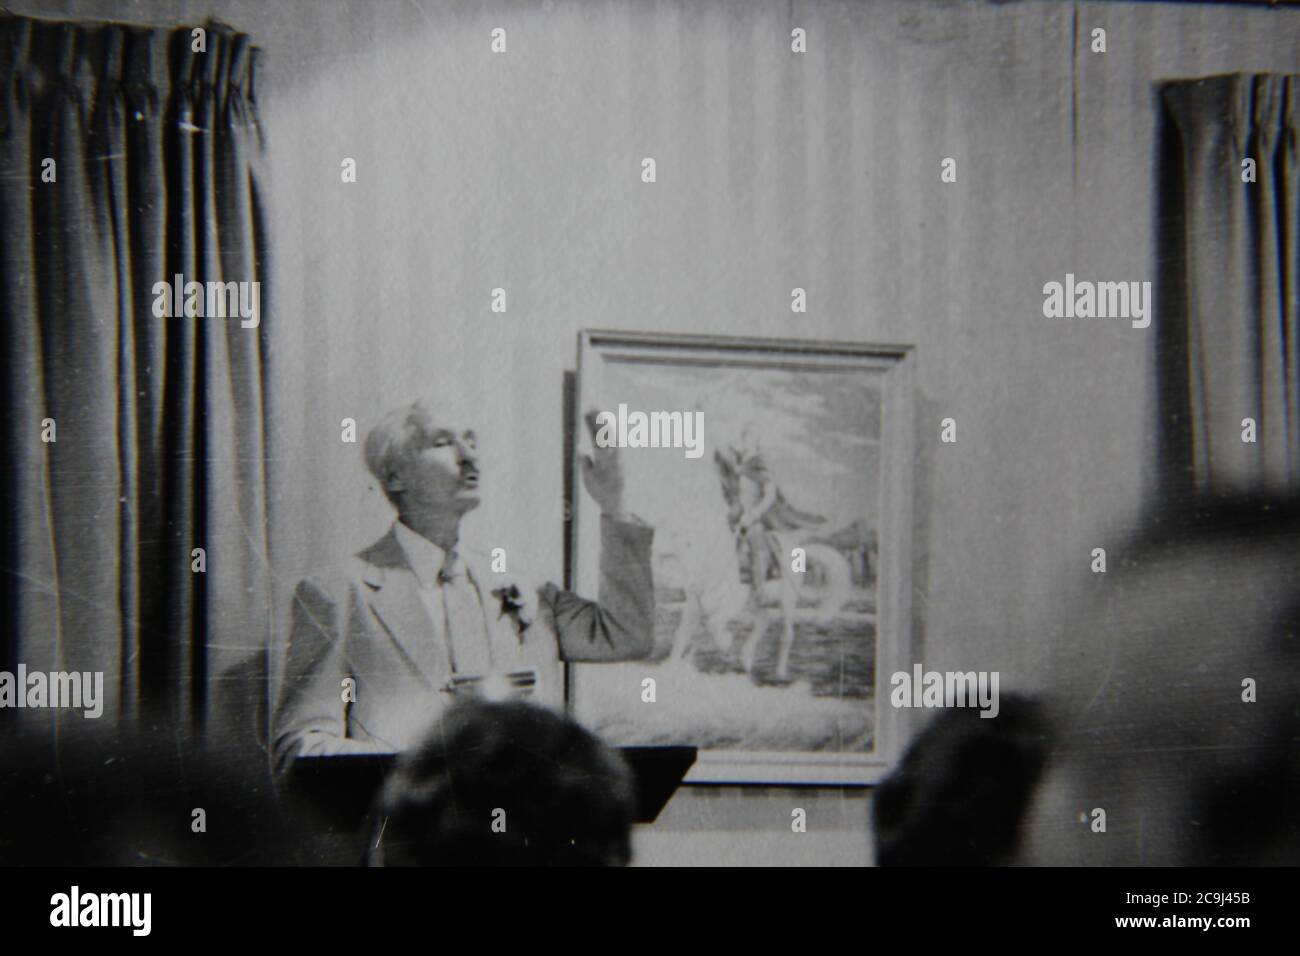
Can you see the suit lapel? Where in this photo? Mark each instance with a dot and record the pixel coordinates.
(394, 597)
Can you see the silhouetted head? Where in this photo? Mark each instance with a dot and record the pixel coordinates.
(1177, 703)
(506, 784)
(102, 796)
(958, 795)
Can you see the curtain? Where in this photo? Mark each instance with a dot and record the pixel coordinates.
(1236, 251)
(157, 446)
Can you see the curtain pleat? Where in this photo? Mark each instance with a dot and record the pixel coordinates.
(160, 421)
(1288, 205)
(1240, 259)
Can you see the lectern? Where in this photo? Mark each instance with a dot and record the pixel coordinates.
(339, 790)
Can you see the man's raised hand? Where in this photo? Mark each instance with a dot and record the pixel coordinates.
(602, 472)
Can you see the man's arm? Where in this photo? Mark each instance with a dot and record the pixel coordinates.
(310, 719)
(621, 626)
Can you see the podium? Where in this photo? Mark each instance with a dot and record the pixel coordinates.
(339, 790)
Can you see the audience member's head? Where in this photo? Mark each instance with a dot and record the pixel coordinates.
(957, 797)
(101, 796)
(1174, 713)
(1178, 699)
(505, 784)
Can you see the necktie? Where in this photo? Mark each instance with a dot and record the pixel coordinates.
(463, 619)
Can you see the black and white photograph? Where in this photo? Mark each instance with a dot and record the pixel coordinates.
(654, 434)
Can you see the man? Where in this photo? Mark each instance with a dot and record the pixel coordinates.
(377, 651)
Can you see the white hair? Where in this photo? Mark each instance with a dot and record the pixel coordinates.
(387, 441)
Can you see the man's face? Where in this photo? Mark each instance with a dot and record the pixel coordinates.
(439, 471)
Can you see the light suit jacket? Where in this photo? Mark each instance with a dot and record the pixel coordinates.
(369, 623)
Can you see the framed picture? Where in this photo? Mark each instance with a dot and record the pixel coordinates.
(778, 477)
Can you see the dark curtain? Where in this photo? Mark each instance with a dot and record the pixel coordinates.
(159, 422)
(1234, 248)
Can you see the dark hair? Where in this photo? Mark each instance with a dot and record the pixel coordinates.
(1246, 808)
(505, 784)
(92, 796)
(957, 797)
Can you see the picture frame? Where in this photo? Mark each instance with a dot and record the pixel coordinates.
(805, 456)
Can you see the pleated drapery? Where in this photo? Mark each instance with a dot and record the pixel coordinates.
(1238, 256)
(158, 424)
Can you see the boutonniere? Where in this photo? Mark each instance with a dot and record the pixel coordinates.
(515, 606)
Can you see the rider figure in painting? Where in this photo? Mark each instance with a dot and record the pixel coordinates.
(758, 510)
(755, 527)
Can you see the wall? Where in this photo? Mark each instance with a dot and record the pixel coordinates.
(775, 170)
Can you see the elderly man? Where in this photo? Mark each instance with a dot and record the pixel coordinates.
(378, 650)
